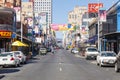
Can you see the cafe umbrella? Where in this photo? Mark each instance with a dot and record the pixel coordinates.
(19, 43)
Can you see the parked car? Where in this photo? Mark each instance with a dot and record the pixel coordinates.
(75, 50)
(106, 58)
(117, 63)
(21, 56)
(9, 59)
(91, 52)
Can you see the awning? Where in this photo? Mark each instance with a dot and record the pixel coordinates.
(19, 43)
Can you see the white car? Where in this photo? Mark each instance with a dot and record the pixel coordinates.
(107, 58)
(91, 52)
(21, 56)
(9, 59)
(75, 50)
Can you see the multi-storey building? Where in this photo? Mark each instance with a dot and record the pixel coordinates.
(109, 31)
(75, 18)
(44, 6)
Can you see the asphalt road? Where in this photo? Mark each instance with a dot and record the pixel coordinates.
(60, 66)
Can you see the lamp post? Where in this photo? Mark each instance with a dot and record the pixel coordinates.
(21, 23)
(98, 27)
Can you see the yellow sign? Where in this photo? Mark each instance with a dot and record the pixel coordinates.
(5, 34)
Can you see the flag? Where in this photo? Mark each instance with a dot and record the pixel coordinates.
(94, 7)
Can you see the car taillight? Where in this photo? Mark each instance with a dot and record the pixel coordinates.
(12, 59)
(19, 56)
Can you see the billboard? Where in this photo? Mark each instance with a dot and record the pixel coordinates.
(102, 15)
(17, 3)
(18, 12)
(42, 17)
(94, 7)
(62, 27)
(6, 3)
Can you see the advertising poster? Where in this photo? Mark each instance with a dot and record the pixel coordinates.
(102, 14)
(42, 17)
(17, 3)
(17, 9)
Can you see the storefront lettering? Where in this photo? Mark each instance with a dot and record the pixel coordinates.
(5, 34)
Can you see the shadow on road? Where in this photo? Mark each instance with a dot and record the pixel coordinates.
(35, 58)
(5, 70)
(1, 76)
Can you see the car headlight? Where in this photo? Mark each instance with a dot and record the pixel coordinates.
(104, 60)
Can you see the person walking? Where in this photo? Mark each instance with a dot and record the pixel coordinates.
(52, 49)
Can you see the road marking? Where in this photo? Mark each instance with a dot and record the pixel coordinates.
(60, 69)
(60, 63)
(94, 62)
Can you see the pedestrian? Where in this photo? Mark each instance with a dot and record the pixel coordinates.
(52, 49)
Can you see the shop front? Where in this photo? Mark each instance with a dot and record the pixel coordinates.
(112, 42)
(5, 41)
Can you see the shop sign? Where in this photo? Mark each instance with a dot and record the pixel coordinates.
(5, 34)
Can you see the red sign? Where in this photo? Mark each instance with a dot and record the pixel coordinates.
(94, 7)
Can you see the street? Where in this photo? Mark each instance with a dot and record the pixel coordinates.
(60, 66)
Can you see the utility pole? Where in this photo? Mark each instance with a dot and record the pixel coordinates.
(98, 26)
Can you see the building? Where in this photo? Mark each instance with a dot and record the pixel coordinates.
(7, 27)
(75, 18)
(109, 31)
(44, 6)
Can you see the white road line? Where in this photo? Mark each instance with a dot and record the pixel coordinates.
(60, 63)
(94, 62)
(60, 69)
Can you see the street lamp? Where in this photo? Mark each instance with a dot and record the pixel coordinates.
(98, 26)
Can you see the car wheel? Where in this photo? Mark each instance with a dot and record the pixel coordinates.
(116, 68)
(97, 64)
(86, 57)
(18, 65)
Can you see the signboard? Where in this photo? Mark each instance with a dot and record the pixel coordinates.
(94, 7)
(102, 14)
(42, 17)
(5, 34)
(18, 16)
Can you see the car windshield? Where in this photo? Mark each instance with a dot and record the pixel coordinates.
(108, 54)
(6, 54)
(17, 53)
(92, 49)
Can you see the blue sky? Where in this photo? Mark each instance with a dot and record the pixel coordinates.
(62, 7)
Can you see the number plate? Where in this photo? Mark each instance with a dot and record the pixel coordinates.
(4, 59)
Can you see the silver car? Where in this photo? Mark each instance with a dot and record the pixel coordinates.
(21, 56)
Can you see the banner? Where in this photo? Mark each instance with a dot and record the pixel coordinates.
(62, 27)
(102, 14)
(94, 7)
